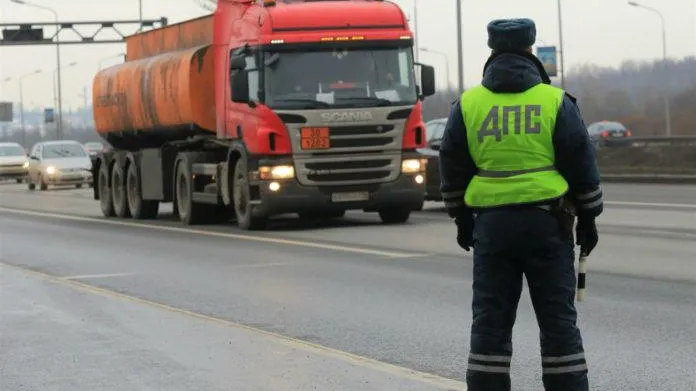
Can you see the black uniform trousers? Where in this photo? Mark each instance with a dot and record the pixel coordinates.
(510, 243)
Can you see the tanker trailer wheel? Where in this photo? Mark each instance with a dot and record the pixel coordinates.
(140, 209)
(190, 212)
(118, 191)
(105, 200)
(241, 197)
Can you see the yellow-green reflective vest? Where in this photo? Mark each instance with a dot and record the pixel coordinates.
(510, 139)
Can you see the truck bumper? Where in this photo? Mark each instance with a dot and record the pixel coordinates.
(291, 197)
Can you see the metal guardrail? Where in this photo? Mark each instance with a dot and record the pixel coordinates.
(658, 141)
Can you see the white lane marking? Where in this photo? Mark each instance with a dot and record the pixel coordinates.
(651, 204)
(263, 239)
(440, 382)
(92, 276)
(416, 256)
(262, 265)
(667, 232)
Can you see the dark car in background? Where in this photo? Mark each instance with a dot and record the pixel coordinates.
(94, 148)
(434, 130)
(609, 134)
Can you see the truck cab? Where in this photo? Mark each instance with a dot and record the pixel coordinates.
(335, 106)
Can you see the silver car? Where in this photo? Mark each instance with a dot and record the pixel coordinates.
(13, 162)
(59, 163)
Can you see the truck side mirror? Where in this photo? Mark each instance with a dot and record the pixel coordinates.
(427, 81)
(34, 157)
(239, 85)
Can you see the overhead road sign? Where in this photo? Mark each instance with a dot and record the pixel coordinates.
(76, 33)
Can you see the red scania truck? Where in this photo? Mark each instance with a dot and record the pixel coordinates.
(266, 108)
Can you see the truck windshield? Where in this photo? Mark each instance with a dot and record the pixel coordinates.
(339, 78)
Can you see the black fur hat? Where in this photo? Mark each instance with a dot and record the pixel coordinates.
(506, 35)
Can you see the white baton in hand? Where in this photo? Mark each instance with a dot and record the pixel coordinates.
(582, 270)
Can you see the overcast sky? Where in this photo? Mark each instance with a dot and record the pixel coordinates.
(604, 32)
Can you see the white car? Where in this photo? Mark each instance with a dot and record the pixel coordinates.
(13, 162)
(59, 163)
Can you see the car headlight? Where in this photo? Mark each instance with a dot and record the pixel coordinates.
(25, 165)
(50, 170)
(410, 166)
(277, 172)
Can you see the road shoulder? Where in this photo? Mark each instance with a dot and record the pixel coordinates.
(104, 340)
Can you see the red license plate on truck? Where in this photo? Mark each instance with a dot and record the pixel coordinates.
(315, 138)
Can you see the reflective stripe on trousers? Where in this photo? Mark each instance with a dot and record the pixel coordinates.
(557, 365)
(489, 363)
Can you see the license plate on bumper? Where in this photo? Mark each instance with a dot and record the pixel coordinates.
(350, 197)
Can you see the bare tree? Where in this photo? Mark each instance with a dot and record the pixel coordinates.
(631, 93)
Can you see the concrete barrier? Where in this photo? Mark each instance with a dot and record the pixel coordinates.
(650, 178)
(655, 164)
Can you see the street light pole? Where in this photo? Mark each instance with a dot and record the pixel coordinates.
(56, 95)
(140, 14)
(446, 58)
(668, 114)
(560, 44)
(460, 47)
(4, 126)
(415, 29)
(60, 92)
(21, 105)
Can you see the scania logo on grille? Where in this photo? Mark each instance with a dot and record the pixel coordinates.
(347, 116)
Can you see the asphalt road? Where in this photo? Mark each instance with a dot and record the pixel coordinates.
(398, 295)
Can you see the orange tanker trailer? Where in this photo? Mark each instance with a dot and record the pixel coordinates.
(263, 108)
(167, 84)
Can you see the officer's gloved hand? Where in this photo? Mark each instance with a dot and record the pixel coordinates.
(586, 235)
(465, 230)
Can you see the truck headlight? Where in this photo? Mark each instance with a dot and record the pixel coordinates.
(25, 165)
(50, 170)
(412, 166)
(277, 172)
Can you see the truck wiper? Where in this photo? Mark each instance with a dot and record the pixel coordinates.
(312, 103)
(369, 99)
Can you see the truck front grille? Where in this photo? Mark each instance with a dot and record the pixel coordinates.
(360, 130)
(348, 169)
(346, 138)
(356, 164)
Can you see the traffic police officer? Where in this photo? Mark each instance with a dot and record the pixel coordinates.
(514, 150)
